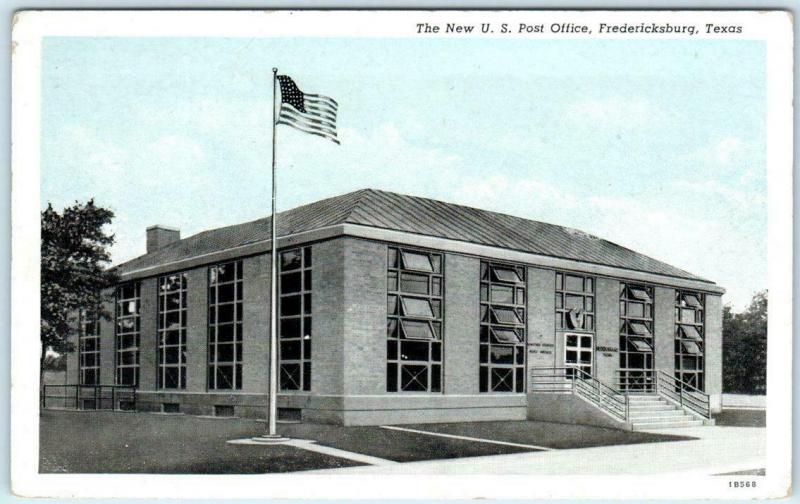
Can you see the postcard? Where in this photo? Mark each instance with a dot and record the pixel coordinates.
(402, 254)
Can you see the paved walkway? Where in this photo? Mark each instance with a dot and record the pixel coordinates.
(718, 450)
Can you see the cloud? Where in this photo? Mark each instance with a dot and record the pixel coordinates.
(726, 150)
(525, 196)
(747, 200)
(613, 112)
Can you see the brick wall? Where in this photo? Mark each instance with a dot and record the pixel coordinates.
(462, 320)
(255, 323)
(664, 330)
(107, 345)
(196, 329)
(606, 330)
(328, 317)
(541, 318)
(713, 350)
(148, 317)
(364, 348)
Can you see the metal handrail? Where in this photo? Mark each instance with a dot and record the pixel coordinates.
(686, 395)
(581, 383)
(93, 393)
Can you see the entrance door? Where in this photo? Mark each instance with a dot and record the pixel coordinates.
(578, 354)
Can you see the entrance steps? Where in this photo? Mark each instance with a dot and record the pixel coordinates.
(648, 412)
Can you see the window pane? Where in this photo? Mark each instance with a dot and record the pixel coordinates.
(291, 282)
(414, 284)
(640, 294)
(639, 328)
(290, 377)
(573, 283)
(414, 329)
(501, 274)
(225, 313)
(502, 294)
(290, 305)
(436, 286)
(502, 355)
(391, 377)
(416, 261)
(640, 345)
(573, 302)
(692, 300)
(503, 379)
(505, 316)
(635, 309)
(414, 307)
(691, 332)
(290, 328)
(690, 347)
(290, 260)
(414, 350)
(414, 378)
(504, 335)
(290, 350)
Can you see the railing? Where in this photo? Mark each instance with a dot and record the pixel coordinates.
(573, 380)
(682, 393)
(642, 381)
(89, 397)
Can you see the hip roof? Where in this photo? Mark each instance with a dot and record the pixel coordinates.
(412, 214)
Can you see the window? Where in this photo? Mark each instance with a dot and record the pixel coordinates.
(502, 328)
(574, 302)
(128, 333)
(414, 323)
(225, 293)
(172, 331)
(294, 327)
(89, 349)
(689, 338)
(636, 337)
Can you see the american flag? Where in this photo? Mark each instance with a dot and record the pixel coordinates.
(311, 113)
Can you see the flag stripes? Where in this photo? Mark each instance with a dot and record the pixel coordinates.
(310, 113)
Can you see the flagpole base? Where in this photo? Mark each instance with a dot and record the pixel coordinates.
(268, 439)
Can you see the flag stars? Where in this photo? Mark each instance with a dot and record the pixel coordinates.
(313, 114)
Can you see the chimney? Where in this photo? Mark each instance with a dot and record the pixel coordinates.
(160, 236)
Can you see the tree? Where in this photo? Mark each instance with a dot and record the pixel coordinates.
(744, 344)
(74, 271)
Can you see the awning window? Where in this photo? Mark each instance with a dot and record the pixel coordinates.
(639, 328)
(640, 345)
(692, 300)
(691, 332)
(416, 329)
(504, 274)
(414, 307)
(505, 335)
(690, 347)
(505, 316)
(640, 294)
(417, 261)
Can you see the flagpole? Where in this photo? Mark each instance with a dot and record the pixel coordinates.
(271, 435)
(273, 299)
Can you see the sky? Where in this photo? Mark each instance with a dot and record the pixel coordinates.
(659, 146)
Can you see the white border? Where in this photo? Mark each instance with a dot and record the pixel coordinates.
(29, 28)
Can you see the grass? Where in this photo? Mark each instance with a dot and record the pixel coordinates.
(117, 442)
(549, 435)
(114, 442)
(741, 418)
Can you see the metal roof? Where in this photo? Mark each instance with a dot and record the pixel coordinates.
(399, 212)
